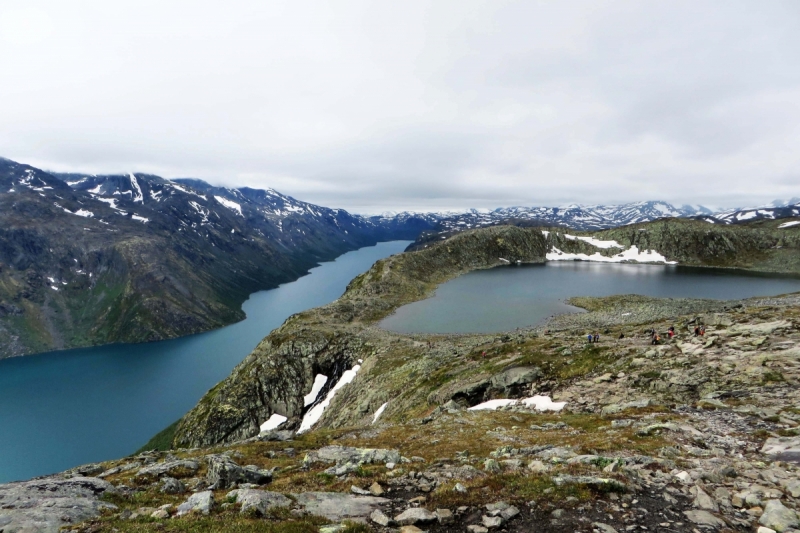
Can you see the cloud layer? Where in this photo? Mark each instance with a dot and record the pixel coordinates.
(420, 105)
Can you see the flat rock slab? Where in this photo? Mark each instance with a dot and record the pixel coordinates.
(258, 501)
(347, 454)
(45, 505)
(178, 468)
(337, 505)
(782, 449)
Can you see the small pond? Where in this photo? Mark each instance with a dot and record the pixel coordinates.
(506, 298)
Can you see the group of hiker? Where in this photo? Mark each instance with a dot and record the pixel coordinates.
(655, 336)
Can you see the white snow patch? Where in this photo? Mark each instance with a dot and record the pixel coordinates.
(379, 412)
(545, 233)
(631, 254)
(789, 224)
(314, 414)
(187, 191)
(274, 421)
(597, 243)
(747, 216)
(96, 190)
(137, 194)
(51, 280)
(230, 205)
(319, 382)
(143, 220)
(540, 403)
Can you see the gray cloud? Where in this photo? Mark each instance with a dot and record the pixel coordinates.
(421, 105)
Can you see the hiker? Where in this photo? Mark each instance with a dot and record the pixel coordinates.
(696, 331)
(596, 337)
(483, 354)
(589, 336)
(656, 339)
(702, 330)
(671, 331)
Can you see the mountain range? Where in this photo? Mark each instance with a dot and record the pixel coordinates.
(91, 259)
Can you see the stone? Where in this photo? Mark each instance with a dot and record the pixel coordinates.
(496, 507)
(762, 529)
(375, 489)
(275, 435)
(702, 500)
(359, 491)
(380, 518)
(782, 448)
(159, 514)
(336, 506)
(170, 485)
(477, 529)
(258, 502)
(410, 529)
(492, 522)
(778, 517)
(604, 528)
(179, 468)
(704, 519)
(684, 477)
(792, 487)
(538, 466)
(223, 472)
(491, 465)
(509, 512)
(47, 504)
(200, 502)
(415, 515)
(606, 484)
(460, 488)
(347, 454)
(444, 516)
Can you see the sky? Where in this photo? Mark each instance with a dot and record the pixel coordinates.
(415, 105)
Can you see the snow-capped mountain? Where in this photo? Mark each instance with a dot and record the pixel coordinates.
(775, 210)
(580, 217)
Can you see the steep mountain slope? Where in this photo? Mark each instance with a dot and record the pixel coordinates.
(87, 260)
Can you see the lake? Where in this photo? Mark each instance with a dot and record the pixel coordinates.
(506, 298)
(62, 409)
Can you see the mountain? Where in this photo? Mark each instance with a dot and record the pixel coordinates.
(94, 259)
(774, 211)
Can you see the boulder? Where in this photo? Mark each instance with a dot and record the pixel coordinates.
(415, 515)
(337, 506)
(782, 448)
(176, 469)
(223, 472)
(258, 501)
(778, 517)
(514, 380)
(347, 454)
(170, 485)
(380, 518)
(704, 519)
(46, 504)
(200, 502)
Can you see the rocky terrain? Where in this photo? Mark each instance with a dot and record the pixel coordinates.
(87, 260)
(696, 433)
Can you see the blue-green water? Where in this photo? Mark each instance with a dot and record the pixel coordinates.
(62, 409)
(505, 298)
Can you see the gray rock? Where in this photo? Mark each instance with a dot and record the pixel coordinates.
(178, 468)
(778, 517)
(414, 515)
(275, 435)
(604, 528)
(258, 501)
(509, 512)
(119, 469)
(702, 500)
(380, 518)
(338, 506)
(492, 522)
(45, 505)
(491, 465)
(444, 516)
(159, 514)
(375, 489)
(792, 487)
(782, 448)
(704, 519)
(200, 502)
(514, 379)
(591, 481)
(346, 454)
(222, 472)
(358, 490)
(477, 529)
(170, 485)
(460, 488)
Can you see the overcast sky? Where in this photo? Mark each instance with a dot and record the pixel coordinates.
(419, 105)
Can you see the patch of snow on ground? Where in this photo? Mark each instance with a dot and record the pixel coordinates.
(789, 224)
(137, 195)
(83, 213)
(230, 205)
(143, 220)
(96, 190)
(747, 216)
(187, 191)
(319, 382)
(545, 233)
(597, 243)
(274, 421)
(314, 414)
(379, 412)
(631, 254)
(540, 403)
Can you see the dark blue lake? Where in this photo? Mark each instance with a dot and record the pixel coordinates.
(506, 298)
(62, 409)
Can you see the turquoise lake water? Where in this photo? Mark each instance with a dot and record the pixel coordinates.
(62, 409)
